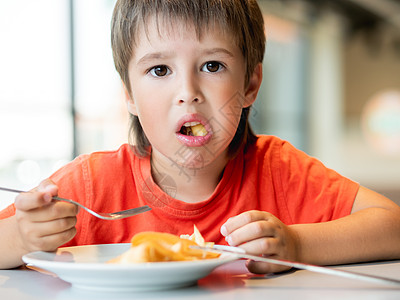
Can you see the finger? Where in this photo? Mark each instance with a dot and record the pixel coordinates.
(37, 230)
(240, 220)
(53, 241)
(48, 188)
(38, 197)
(251, 231)
(59, 209)
(53, 211)
(258, 267)
(53, 227)
(265, 246)
(30, 200)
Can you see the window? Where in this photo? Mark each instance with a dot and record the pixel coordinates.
(39, 79)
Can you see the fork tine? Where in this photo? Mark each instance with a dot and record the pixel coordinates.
(136, 210)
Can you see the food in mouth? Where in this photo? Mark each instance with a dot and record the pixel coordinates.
(161, 247)
(193, 129)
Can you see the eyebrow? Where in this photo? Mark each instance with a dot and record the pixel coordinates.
(163, 55)
(219, 50)
(152, 56)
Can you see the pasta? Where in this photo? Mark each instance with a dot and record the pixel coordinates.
(160, 247)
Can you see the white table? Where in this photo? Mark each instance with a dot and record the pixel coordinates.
(231, 281)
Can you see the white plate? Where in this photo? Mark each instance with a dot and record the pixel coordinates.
(85, 268)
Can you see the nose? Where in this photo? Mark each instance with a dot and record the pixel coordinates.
(189, 89)
(194, 100)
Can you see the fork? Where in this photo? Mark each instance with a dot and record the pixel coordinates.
(105, 216)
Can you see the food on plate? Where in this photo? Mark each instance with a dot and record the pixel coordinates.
(160, 247)
(197, 238)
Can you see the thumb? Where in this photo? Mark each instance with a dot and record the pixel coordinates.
(48, 189)
(39, 196)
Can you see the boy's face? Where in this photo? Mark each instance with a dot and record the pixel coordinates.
(188, 93)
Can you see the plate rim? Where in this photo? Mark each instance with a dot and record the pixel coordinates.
(43, 263)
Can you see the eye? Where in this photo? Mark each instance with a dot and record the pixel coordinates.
(159, 71)
(212, 66)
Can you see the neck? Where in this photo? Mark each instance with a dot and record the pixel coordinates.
(187, 184)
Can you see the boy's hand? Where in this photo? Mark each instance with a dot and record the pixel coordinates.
(259, 232)
(44, 224)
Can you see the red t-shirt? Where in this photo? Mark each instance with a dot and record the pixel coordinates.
(271, 176)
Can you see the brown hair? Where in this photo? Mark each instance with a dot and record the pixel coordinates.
(242, 19)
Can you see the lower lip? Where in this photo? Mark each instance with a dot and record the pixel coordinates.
(193, 141)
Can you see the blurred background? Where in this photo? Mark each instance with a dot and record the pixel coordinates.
(331, 86)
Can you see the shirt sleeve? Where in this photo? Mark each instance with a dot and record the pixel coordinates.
(7, 212)
(313, 192)
(72, 180)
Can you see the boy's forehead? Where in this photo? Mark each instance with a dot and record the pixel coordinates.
(158, 29)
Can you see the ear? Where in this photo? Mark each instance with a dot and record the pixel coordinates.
(130, 103)
(253, 86)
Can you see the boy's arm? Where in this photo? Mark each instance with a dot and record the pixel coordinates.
(370, 232)
(11, 249)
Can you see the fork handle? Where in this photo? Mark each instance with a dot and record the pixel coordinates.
(11, 190)
(20, 191)
(54, 197)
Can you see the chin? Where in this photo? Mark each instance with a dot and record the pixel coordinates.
(197, 158)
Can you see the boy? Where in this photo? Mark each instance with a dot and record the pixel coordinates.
(191, 70)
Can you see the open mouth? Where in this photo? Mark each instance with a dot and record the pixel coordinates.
(193, 129)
